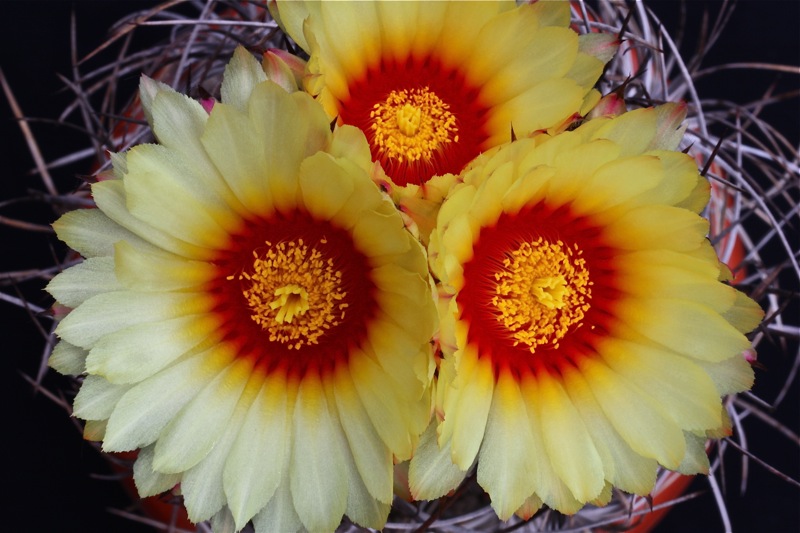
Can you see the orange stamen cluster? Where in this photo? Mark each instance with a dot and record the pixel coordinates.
(412, 124)
(541, 292)
(294, 293)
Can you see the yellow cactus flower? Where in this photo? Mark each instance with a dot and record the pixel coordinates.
(434, 84)
(251, 313)
(589, 337)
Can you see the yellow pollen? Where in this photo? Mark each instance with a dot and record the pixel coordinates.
(294, 294)
(542, 291)
(412, 124)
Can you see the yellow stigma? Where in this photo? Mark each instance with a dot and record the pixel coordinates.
(549, 291)
(412, 124)
(292, 300)
(293, 293)
(408, 120)
(542, 290)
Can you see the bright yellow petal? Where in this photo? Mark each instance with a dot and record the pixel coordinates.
(703, 334)
(568, 444)
(641, 422)
(622, 466)
(472, 410)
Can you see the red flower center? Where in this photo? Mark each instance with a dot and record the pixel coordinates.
(421, 119)
(539, 290)
(293, 292)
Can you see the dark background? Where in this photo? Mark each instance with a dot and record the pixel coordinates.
(53, 473)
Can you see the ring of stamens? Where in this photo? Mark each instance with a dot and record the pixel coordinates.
(293, 292)
(412, 124)
(541, 292)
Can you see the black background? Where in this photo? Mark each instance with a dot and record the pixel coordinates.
(51, 484)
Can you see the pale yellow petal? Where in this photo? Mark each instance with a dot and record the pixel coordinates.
(325, 185)
(696, 459)
(92, 233)
(364, 507)
(486, 209)
(384, 406)
(158, 175)
(68, 359)
(527, 189)
(372, 458)
(97, 398)
(289, 131)
(144, 411)
(142, 270)
(223, 522)
(745, 314)
(255, 466)
(242, 74)
(95, 430)
(137, 352)
(587, 68)
(202, 485)
(532, 504)
(109, 312)
(730, 375)
(613, 183)
(317, 473)
(387, 340)
(680, 178)
(542, 106)
(632, 131)
(549, 487)
(111, 198)
(148, 481)
(351, 34)
(279, 513)
(348, 143)
(432, 473)
(399, 22)
(661, 281)
(80, 282)
(550, 55)
(235, 149)
(198, 427)
(657, 227)
(459, 26)
(179, 123)
(291, 16)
